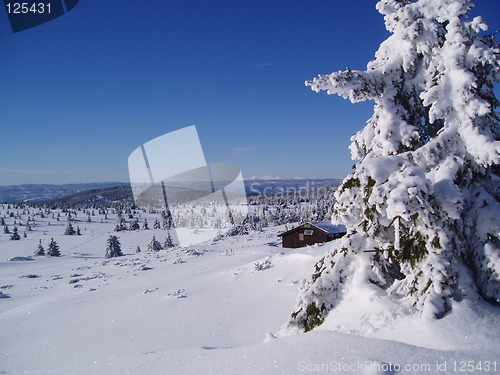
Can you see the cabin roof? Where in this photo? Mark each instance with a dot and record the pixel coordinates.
(325, 226)
(328, 227)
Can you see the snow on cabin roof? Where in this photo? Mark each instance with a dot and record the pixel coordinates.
(325, 226)
(328, 227)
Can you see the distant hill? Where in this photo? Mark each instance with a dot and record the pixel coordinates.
(37, 193)
(109, 192)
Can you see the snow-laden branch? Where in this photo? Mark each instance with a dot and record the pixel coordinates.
(354, 85)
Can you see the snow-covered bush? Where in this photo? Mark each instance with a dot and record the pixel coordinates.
(428, 160)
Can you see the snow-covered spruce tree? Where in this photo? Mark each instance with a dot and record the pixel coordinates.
(169, 243)
(15, 235)
(113, 248)
(53, 249)
(154, 245)
(428, 159)
(70, 231)
(40, 250)
(134, 225)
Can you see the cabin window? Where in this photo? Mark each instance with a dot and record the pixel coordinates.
(308, 232)
(301, 236)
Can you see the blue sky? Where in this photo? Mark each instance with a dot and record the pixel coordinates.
(80, 93)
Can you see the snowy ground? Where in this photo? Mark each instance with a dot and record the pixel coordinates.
(207, 309)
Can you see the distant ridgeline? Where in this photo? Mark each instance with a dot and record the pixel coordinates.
(120, 194)
(45, 192)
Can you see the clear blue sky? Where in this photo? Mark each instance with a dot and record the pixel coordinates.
(80, 93)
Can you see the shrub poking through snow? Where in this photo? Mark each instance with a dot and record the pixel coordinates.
(263, 266)
(428, 164)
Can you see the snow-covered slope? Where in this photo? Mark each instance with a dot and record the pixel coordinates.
(206, 309)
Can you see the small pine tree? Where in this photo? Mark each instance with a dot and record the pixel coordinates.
(134, 225)
(154, 245)
(168, 242)
(53, 250)
(70, 231)
(114, 248)
(121, 225)
(15, 236)
(156, 224)
(40, 250)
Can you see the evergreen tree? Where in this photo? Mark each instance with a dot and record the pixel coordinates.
(53, 249)
(167, 222)
(15, 235)
(168, 242)
(69, 230)
(40, 250)
(134, 225)
(156, 224)
(154, 245)
(113, 248)
(121, 225)
(423, 198)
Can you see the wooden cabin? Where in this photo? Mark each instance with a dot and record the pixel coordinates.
(311, 233)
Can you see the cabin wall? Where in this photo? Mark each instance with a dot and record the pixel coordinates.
(298, 238)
